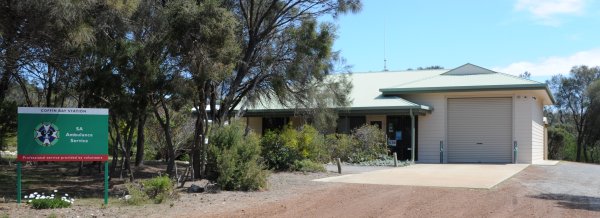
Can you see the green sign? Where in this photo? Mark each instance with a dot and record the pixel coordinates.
(62, 134)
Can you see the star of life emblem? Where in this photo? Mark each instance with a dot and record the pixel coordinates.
(46, 134)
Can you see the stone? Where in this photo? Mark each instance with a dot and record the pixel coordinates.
(195, 189)
(212, 188)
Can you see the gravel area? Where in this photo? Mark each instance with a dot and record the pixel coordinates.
(565, 190)
(573, 185)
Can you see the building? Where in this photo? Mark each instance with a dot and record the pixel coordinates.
(461, 115)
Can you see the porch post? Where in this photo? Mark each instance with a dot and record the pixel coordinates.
(412, 134)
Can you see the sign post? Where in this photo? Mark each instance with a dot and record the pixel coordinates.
(62, 135)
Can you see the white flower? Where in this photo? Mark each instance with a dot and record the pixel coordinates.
(55, 190)
(37, 197)
(29, 201)
(26, 196)
(35, 193)
(66, 194)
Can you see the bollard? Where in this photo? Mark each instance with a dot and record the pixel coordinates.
(516, 150)
(339, 165)
(441, 151)
(395, 159)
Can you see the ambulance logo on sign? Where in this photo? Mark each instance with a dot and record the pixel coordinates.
(46, 134)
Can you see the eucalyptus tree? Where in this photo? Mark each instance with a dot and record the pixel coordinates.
(203, 43)
(573, 102)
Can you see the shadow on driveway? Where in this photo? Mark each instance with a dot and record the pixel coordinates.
(572, 201)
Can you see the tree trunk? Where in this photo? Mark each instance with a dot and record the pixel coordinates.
(116, 142)
(139, 156)
(579, 145)
(127, 149)
(166, 125)
(196, 157)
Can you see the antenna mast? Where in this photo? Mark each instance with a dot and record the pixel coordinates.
(384, 45)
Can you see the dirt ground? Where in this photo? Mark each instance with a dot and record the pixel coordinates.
(565, 190)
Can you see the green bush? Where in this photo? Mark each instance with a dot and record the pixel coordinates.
(371, 143)
(340, 146)
(282, 149)
(159, 188)
(234, 159)
(49, 203)
(136, 193)
(366, 143)
(307, 165)
(276, 152)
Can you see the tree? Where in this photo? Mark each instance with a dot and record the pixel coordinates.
(573, 102)
(432, 67)
(283, 50)
(525, 75)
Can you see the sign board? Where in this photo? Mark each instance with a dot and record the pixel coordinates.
(62, 134)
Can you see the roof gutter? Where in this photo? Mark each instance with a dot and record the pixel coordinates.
(541, 86)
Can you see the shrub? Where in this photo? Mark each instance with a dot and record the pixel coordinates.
(340, 146)
(276, 153)
(41, 201)
(158, 188)
(136, 193)
(307, 165)
(49, 203)
(281, 150)
(364, 144)
(235, 159)
(371, 143)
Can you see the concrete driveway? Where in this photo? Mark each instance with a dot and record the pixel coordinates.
(437, 175)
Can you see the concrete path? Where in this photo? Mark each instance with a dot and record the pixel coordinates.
(437, 175)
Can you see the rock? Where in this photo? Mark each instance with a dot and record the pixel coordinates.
(195, 189)
(213, 188)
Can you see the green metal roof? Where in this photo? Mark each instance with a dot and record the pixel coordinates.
(376, 90)
(468, 77)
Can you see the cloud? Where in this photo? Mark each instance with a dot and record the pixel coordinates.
(549, 66)
(546, 11)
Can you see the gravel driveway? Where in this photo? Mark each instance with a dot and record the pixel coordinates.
(564, 190)
(573, 185)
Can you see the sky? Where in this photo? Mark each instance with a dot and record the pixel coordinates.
(542, 37)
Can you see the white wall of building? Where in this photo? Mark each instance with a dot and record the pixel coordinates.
(527, 123)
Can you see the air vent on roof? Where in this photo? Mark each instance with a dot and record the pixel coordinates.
(468, 69)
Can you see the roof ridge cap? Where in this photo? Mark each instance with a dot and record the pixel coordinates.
(521, 78)
(418, 80)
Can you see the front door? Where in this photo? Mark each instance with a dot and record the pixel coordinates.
(399, 135)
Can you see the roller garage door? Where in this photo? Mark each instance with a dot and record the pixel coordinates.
(480, 130)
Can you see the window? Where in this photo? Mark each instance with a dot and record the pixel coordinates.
(346, 124)
(273, 123)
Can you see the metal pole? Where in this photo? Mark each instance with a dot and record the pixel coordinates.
(105, 182)
(412, 138)
(395, 159)
(516, 151)
(19, 182)
(339, 165)
(441, 151)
